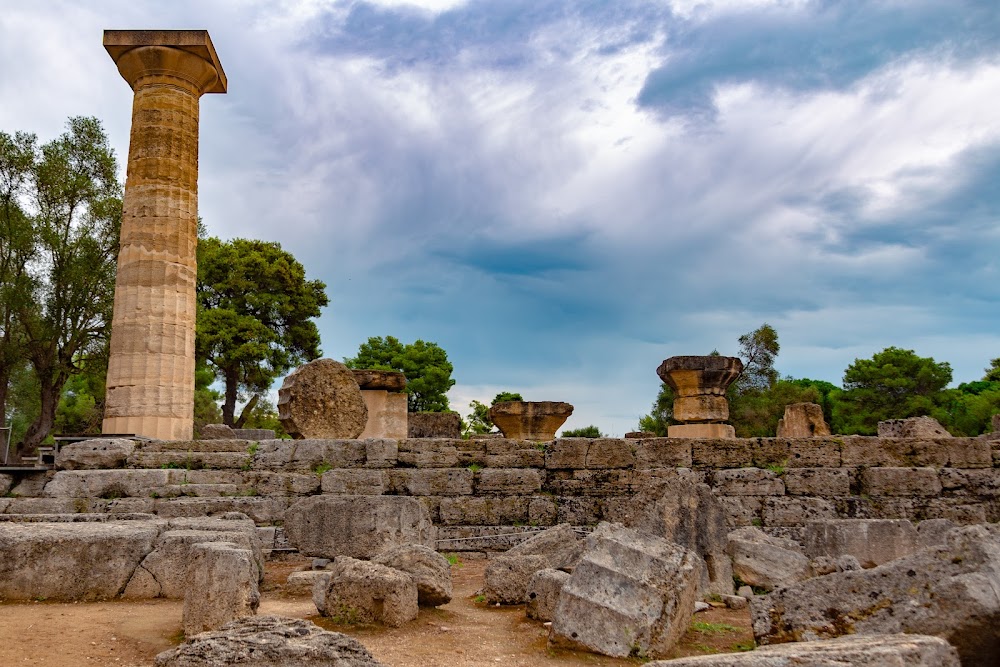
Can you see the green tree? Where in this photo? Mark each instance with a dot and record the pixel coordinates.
(206, 399)
(73, 202)
(758, 349)
(993, 372)
(585, 432)
(662, 413)
(81, 406)
(255, 310)
(425, 365)
(479, 418)
(893, 384)
(968, 410)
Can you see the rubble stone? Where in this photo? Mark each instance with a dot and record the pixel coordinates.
(222, 586)
(216, 432)
(430, 570)
(912, 427)
(802, 420)
(543, 593)
(765, 561)
(99, 453)
(872, 541)
(361, 591)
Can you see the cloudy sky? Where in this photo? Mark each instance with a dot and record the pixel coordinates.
(562, 194)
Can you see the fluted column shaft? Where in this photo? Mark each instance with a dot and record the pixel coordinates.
(150, 383)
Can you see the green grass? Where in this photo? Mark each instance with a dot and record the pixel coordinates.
(713, 628)
(748, 645)
(322, 467)
(453, 559)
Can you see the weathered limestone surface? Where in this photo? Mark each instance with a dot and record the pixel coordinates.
(543, 593)
(99, 453)
(321, 399)
(630, 593)
(872, 541)
(434, 425)
(950, 591)
(269, 641)
(150, 383)
(880, 651)
(386, 414)
(802, 420)
(530, 420)
(361, 591)
(222, 586)
(357, 526)
(699, 383)
(506, 577)
(765, 561)
(431, 571)
(393, 381)
(72, 561)
(912, 427)
(216, 432)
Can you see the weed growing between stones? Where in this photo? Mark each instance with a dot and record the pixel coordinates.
(453, 559)
(322, 467)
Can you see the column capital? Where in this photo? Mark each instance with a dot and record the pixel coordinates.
(187, 54)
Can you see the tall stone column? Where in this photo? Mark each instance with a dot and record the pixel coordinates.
(150, 387)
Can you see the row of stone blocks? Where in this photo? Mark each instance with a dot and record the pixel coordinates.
(561, 454)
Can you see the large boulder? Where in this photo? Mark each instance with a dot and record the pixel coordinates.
(357, 526)
(269, 641)
(950, 591)
(216, 432)
(802, 420)
(872, 541)
(72, 561)
(764, 561)
(912, 427)
(430, 570)
(506, 577)
(543, 593)
(363, 592)
(882, 651)
(690, 515)
(631, 594)
(222, 586)
(322, 399)
(96, 454)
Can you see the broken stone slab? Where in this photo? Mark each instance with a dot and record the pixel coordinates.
(543, 593)
(506, 577)
(912, 427)
(802, 420)
(530, 420)
(430, 570)
(359, 591)
(872, 541)
(899, 650)
(222, 586)
(630, 594)
(394, 381)
(303, 581)
(764, 561)
(321, 399)
(690, 515)
(216, 432)
(949, 591)
(269, 641)
(357, 526)
(72, 561)
(96, 454)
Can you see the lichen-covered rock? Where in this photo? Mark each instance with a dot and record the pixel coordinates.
(222, 586)
(631, 593)
(269, 641)
(543, 593)
(96, 454)
(430, 570)
(356, 526)
(872, 541)
(881, 651)
(363, 592)
(322, 399)
(950, 591)
(765, 561)
(912, 427)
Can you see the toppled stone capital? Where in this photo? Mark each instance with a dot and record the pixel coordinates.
(530, 420)
(700, 384)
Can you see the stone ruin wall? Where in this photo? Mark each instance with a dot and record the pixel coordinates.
(489, 486)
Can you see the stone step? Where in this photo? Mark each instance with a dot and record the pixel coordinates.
(199, 490)
(236, 446)
(191, 460)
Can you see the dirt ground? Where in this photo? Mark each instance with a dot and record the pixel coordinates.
(462, 633)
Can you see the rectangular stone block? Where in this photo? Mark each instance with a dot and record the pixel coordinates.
(796, 511)
(109, 483)
(428, 453)
(381, 453)
(430, 482)
(543, 511)
(818, 482)
(872, 541)
(901, 482)
(604, 453)
(984, 482)
(660, 475)
(797, 452)
(959, 510)
(566, 453)
(912, 452)
(309, 455)
(742, 510)
(484, 511)
(263, 510)
(662, 453)
(593, 483)
(386, 414)
(504, 453)
(721, 453)
(747, 482)
(508, 481)
(354, 482)
(580, 510)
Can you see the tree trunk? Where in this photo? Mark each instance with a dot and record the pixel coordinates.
(49, 397)
(247, 409)
(229, 405)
